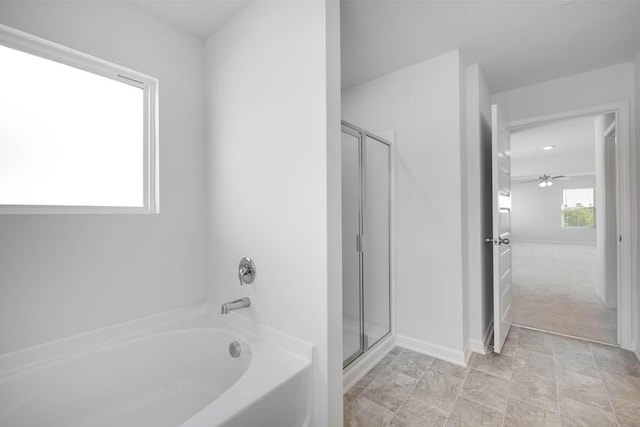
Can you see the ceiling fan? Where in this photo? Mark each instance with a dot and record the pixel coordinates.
(546, 180)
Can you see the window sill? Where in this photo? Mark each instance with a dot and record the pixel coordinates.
(84, 210)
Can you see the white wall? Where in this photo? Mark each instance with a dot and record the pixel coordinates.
(596, 87)
(422, 105)
(531, 167)
(465, 213)
(61, 275)
(274, 176)
(636, 137)
(478, 164)
(536, 212)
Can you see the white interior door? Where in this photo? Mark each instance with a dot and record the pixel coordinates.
(501, 193)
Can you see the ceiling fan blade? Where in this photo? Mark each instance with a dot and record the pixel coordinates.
(529, 180)
(561, 177)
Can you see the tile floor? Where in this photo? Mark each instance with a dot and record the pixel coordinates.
(539, 380)
(554, 290)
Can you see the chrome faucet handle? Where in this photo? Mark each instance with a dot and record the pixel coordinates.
(246, 271)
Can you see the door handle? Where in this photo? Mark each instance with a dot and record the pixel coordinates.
(498, 241)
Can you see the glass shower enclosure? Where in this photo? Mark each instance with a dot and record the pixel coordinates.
(366, 241)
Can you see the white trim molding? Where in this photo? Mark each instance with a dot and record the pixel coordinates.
(467, 353)
(477, 346)
(358, 369)
(627, 212)
(457, 357)
(28, 43)
(481, 347)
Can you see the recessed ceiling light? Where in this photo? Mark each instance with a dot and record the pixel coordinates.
(549, 147)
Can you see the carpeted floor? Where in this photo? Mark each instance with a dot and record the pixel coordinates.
(553, 290)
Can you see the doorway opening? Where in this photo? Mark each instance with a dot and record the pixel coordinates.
(564, 226)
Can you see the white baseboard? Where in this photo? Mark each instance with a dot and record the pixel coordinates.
(487, 334)
(481, 346)
(358, 369)
(467, 353)
(477, 346)
(457, 357)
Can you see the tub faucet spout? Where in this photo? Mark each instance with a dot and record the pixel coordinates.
(234, 305)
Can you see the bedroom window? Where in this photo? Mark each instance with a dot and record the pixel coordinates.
(578, 209)
(77, 134)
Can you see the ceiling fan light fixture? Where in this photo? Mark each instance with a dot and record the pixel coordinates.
(549, 147)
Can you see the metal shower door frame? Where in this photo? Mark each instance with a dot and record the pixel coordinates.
(362, 135)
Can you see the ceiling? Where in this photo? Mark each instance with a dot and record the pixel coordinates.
(200, 18)
(517, 43)
(573, 152)
(570, 137)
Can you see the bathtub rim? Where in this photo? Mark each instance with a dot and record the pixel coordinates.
(69, 357)
(57, 351)
(276, 358)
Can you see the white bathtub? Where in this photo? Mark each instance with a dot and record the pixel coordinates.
(176, 374)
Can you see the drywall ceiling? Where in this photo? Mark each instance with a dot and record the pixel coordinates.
(199, 18)
(573, 151)
(517, 43)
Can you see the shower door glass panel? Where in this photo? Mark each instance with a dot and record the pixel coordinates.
(376, 247)
(351, 295)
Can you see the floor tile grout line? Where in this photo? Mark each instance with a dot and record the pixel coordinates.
(513, 365)
(374, 378)
(408, 394)
(380, 373)
(613, 410)
(555, 357)
(455, 401)
(555, 375)
(518, 399)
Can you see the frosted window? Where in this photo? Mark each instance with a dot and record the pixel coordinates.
(68, 137)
